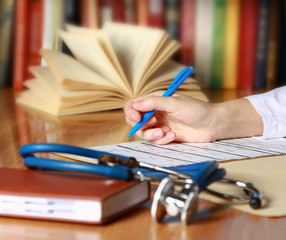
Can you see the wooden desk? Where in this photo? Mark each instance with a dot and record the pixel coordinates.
(213, 221)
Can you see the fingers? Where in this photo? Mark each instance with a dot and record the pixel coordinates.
(156, 135)
(164, 104)
(151, 130)
(133, 108)
(169, 137)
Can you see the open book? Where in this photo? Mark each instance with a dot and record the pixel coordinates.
(110, 65)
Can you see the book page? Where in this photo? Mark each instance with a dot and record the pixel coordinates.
(72, 74)
(47, 95)
(105, 43)
(176, 154)
(48, 82)
(162, 78)
(89, 52)
(168, 48)
(134, 46)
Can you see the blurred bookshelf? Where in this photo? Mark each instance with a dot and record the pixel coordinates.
(233, 44)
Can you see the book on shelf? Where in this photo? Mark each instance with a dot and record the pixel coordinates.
(106, 11)
(35, 27)
(217, 58)
(187, 30)
(203, 41)
(34, 35)
(142, 8)
(281, 79)
(247, 43)
(118, 11)
(20, 43)
(71, 15)
(53, 19)
(130, 11)
(6, 33)
(231, 44)
(156, 13)
(262, 40)
(172, 18)
(90, 13)
(110, 66)
(68, 196)
(273, 44)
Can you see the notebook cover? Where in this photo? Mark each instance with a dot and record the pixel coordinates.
(75, 186)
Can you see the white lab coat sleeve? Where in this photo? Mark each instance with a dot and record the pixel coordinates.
(272, 107)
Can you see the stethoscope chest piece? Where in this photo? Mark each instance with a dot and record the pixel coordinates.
(175, 202)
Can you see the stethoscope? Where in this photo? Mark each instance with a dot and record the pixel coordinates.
(178, 188)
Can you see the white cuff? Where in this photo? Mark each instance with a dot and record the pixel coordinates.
(272, 108)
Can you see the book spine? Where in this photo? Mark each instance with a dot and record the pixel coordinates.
(105, 11)
(52, 21)
(34, 39)
(71, 13)
(156, 12)
(6, 29)
(172, 18)
(262, 39)
(48, 36)
(90, 13)
(187, 32)
(70, 16)
(231, 44)
(142, 12)
(203, 41)
(247, 43)
(273, 43)
(282, 58)
(118, 10)
(130, 11)
(20, 39)
(217, 65)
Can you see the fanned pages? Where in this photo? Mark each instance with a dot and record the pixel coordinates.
(108, 66)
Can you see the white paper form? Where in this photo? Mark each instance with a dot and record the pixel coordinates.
(176, 154)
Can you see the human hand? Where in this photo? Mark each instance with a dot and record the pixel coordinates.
(178, 118)
(184, 119)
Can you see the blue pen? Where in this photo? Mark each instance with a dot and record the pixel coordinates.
(180, 78)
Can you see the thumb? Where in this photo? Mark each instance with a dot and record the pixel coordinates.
(166, 104)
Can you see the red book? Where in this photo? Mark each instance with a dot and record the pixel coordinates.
(187, 32)
(68, 196)
(156, 14)
(20, 39)
(247, 44)
(118, 10)
(35, 35)
(28, 39)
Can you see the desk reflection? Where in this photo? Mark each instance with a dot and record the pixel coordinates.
(84, 130)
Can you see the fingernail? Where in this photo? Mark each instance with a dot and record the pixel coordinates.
(170, 136)
(158, 134)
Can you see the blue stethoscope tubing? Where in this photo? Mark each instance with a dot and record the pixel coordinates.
(31, 161)
(203, 173)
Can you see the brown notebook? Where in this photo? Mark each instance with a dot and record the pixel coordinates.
(66, 196)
